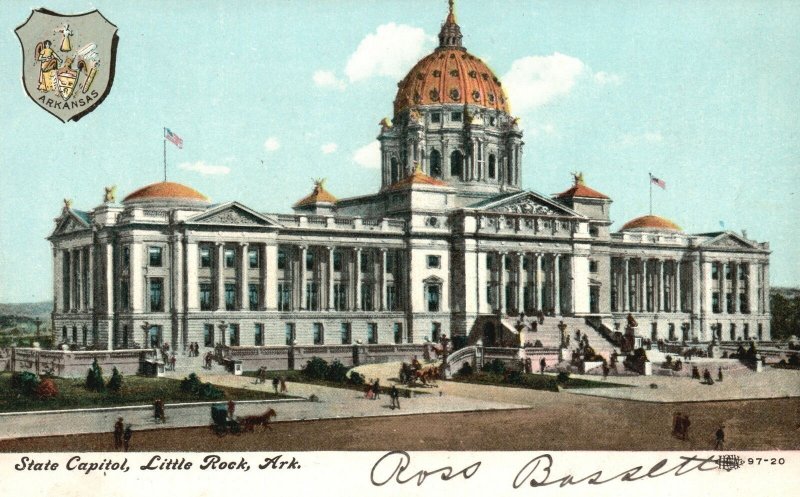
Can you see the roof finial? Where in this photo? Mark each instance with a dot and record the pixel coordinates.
(451, 16)
(578, 176)
(450, 34)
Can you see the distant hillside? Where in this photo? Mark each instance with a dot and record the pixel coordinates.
(786, 292)
(41, 310)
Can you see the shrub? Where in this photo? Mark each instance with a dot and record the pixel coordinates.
(203, 391)
(537, 343)
(191, 383)
(315, 369)
(337, 372)
(465, 369)
(24, 382)
(496, 366)
(563, 377)
(94, 378)
(115, 382)
(356, 378)
(46, 389)
(514, 377)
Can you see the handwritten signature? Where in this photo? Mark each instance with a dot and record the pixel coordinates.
(394, 466)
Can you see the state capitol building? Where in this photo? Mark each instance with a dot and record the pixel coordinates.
(450, 244)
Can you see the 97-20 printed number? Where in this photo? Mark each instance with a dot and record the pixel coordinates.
(772, 461)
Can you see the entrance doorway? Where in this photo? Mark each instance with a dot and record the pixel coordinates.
(489, 335)
(154, 336)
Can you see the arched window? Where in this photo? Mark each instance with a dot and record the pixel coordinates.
(436, 163)
(492, 166)
(456, 163)
(394, 170)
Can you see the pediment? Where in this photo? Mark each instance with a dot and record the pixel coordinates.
(232, 214)
(729, 240)
(69, 222)
(525, 203)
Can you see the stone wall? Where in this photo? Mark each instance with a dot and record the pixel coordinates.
(76, 364)
(283, 357)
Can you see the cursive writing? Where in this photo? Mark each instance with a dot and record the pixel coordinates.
(392, 465)
(537, 472)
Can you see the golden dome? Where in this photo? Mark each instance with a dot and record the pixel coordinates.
(650, 223)
(450, 75)
(166, 190)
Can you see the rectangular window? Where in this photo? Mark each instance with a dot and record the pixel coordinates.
(525, 263)
(398, 333)
(436, 117)
(715, 306)
(337, 260)
(490, 261)
(455, 116)
(233, 335)
(592, 266)
(156, 295)
(254, 258)
(372, 333)
(205, 296)
(258, 338)
(434, 261)
(124, 300)
(309, 261)
(339, 296)
(155, 256)
(366, 297)
(284, 296)
(727, 271)
(124, 335)
(281, 259)
(253, 290)
(432, 293)
(312, 297)
(391, 261)
(230, 257)
(289, 333)
(364, 264)
(126, 257)
(391, 298)
(347, 336)
(492, 121)
(205, 256)
(319, 335)
(714, 272)
(436, 332)
(208, 335)
(508, 262)
(230, 296)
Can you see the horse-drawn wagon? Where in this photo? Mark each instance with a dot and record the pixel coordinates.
(221, 424)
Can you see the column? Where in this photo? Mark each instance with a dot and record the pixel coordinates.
(77, 257)
(219, 267)
(176, 285)
(90, 273)
(244, 287)
(571, 283)
(262, 277)
(303, 253)
(765, 290)
(698, 287)
(136, 283)
(270, 272)
(643, 287)
(520, 282)
(660, 300)
(501, 282)
(735, 276)
(537, 281)
(329, 279)
(357, 279)
(556, 284)
(677, 270)
(382, 279)
(723, 283)
(626, 285)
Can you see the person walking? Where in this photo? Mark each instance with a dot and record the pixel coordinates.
(158, 411)
(283, 384)
(542, 365)
(720, 436)
(719, 374)
(376, 389)
(172, 361)
(677, 423)
(685, 423)
(275, 383)
(606, 370)
(231, 409)
(126, 438)
(394, 394)
(119, 431)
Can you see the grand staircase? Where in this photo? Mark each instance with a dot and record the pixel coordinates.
(549, 334)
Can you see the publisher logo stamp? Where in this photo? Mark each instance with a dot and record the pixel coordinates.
(67, 61)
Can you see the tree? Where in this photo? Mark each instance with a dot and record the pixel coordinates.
(785, 316)
(94, 378)
(115, 382)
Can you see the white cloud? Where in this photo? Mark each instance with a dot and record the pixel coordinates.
(329, 148)
(603, 78)
(631, 139)
(272, 144)
(390, 51)
(536, 80)
(547, 129)
(369, 156)
(326, 79)
(203, 168)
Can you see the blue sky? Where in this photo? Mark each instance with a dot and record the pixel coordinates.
(268, 95)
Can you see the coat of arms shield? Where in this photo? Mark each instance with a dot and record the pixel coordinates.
(67, 61)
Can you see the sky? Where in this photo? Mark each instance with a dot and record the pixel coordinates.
(268, 95)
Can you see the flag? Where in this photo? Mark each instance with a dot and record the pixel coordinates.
(659, 182)
(177, 140)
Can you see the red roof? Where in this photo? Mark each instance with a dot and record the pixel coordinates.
(652, 223)
(166, 190)
(318, 196)
(581, 190)
(416, 178)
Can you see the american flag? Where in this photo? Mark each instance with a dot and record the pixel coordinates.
(659, 182)
(177, 140)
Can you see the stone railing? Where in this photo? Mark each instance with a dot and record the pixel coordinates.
(304, 221)
(77, 363)
(285, 357)
(533, 224)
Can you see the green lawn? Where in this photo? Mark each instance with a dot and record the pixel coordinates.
(534, 381)
(136, 390)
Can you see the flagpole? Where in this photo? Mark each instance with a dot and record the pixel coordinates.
(651, 193)
(164, 139)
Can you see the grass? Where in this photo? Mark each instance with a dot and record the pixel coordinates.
(534, 381)
(136, 390)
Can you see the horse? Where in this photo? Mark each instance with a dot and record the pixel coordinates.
(249, 423)
(427, 374)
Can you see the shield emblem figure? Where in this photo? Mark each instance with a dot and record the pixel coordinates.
(67, 61)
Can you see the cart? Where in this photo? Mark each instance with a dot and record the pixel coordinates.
(221, 425)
